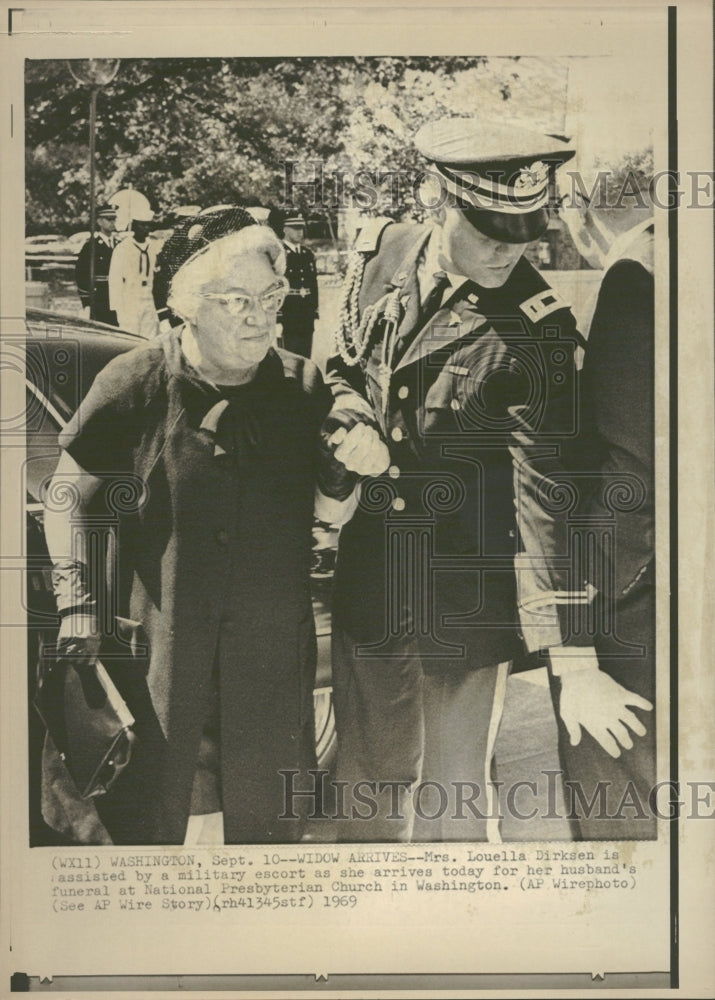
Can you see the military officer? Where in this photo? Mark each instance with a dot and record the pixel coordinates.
(95, 300)
(131, 278)
(606, 734)
(452, 348)
(300, 309)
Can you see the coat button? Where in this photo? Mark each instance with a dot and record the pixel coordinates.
(398, 504)
(221, 536)
(396, 434)
(455, 404)
(403, 392)
(394, 472)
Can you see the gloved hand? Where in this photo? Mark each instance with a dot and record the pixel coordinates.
(593, 700)
(350, 447)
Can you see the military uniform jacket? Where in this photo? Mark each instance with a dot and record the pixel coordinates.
(430, 550)
(213, 504)
(102, 260)
(615, 455)
(301, 304)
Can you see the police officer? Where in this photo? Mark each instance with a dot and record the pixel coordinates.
(96, 301)
(452, 349)
(300, 309)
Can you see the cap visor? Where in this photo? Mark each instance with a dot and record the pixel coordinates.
(508, 227)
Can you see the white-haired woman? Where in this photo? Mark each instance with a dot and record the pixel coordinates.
(221, 431)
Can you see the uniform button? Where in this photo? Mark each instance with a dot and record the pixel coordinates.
(455, 404)
(403, 392)
(393, 472)
(221, 536)
(396, 434)
(398, 504)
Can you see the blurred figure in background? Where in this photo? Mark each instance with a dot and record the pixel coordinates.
(300, 309)
(131, 275)
(95, 295)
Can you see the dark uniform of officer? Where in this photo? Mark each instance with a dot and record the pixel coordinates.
(103, 246)
(615, 482)
(300, 309)
(456, 348)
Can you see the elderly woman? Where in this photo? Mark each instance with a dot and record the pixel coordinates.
(221, 431)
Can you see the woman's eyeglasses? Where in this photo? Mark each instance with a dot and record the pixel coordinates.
(239, 303)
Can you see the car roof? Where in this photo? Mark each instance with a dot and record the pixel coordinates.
(66, 352)
(79, 326)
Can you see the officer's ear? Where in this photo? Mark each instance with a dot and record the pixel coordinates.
(431, 196)
(439, 214)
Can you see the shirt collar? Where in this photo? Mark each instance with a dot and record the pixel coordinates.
(429, 267)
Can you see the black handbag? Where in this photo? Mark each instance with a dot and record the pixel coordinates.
(84, 713)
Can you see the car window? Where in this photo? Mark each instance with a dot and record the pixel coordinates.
(42, 449)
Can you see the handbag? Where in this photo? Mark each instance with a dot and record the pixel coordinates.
(85, 714)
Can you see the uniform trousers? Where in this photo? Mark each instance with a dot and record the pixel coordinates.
(417, 741)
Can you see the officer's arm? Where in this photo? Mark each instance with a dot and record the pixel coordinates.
(347, 385)
(81, 273)
(547, 588)
(314, 284)
(548, 591)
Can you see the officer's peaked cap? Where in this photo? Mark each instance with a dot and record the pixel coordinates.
(498, 173)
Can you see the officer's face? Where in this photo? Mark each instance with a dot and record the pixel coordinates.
(235, 316)
(294, 234)
(105, 225)
(466, 251)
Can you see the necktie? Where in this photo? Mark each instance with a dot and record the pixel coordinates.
(144, 260)
(434, 298)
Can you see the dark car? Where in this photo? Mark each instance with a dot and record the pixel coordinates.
(63, 356)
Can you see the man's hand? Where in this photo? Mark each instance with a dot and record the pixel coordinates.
(593, 700)
(361, 450)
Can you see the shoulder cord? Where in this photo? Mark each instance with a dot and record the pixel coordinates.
(354, 335)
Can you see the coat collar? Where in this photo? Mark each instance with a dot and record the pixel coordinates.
(204, 402)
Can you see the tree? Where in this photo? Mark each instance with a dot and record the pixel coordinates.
(208, 131)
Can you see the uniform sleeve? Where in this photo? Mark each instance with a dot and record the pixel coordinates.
(313, 283)
(551, 581)
(618, 433)
(116, 281)
(101, 435)
(348, 388)
(81, 273)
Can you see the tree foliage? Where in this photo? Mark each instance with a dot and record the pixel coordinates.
(209, 131)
